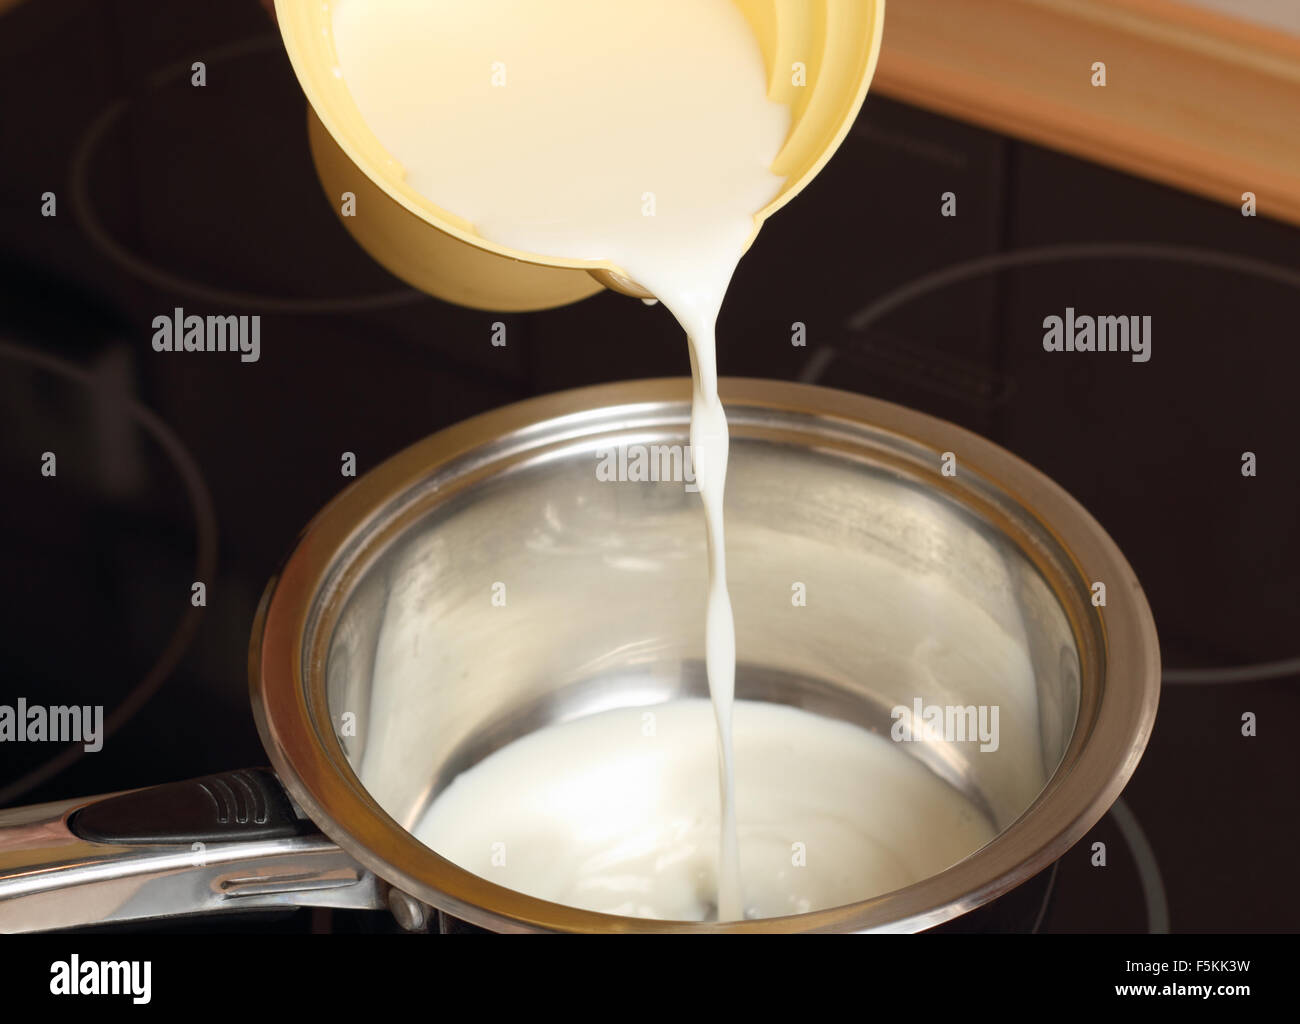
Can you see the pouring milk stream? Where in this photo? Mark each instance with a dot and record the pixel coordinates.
(639, 134)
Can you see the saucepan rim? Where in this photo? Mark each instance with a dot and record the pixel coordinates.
(1117, 644)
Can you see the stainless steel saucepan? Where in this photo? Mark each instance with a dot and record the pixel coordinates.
(381, 667)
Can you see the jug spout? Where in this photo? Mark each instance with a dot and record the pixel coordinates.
(617, 282)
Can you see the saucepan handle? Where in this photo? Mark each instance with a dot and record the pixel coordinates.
(227, 842)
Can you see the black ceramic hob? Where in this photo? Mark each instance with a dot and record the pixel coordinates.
(169, 196)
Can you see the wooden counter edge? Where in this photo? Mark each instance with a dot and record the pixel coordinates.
(1195, 100)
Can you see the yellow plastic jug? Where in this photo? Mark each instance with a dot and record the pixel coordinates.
(820, 57)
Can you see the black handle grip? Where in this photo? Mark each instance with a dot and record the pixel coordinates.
(239, 805)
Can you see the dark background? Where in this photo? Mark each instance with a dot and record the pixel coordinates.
(214, 188)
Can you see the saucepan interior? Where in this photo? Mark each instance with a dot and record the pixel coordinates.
(520, 571)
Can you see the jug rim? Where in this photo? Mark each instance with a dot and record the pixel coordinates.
(430, 213)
